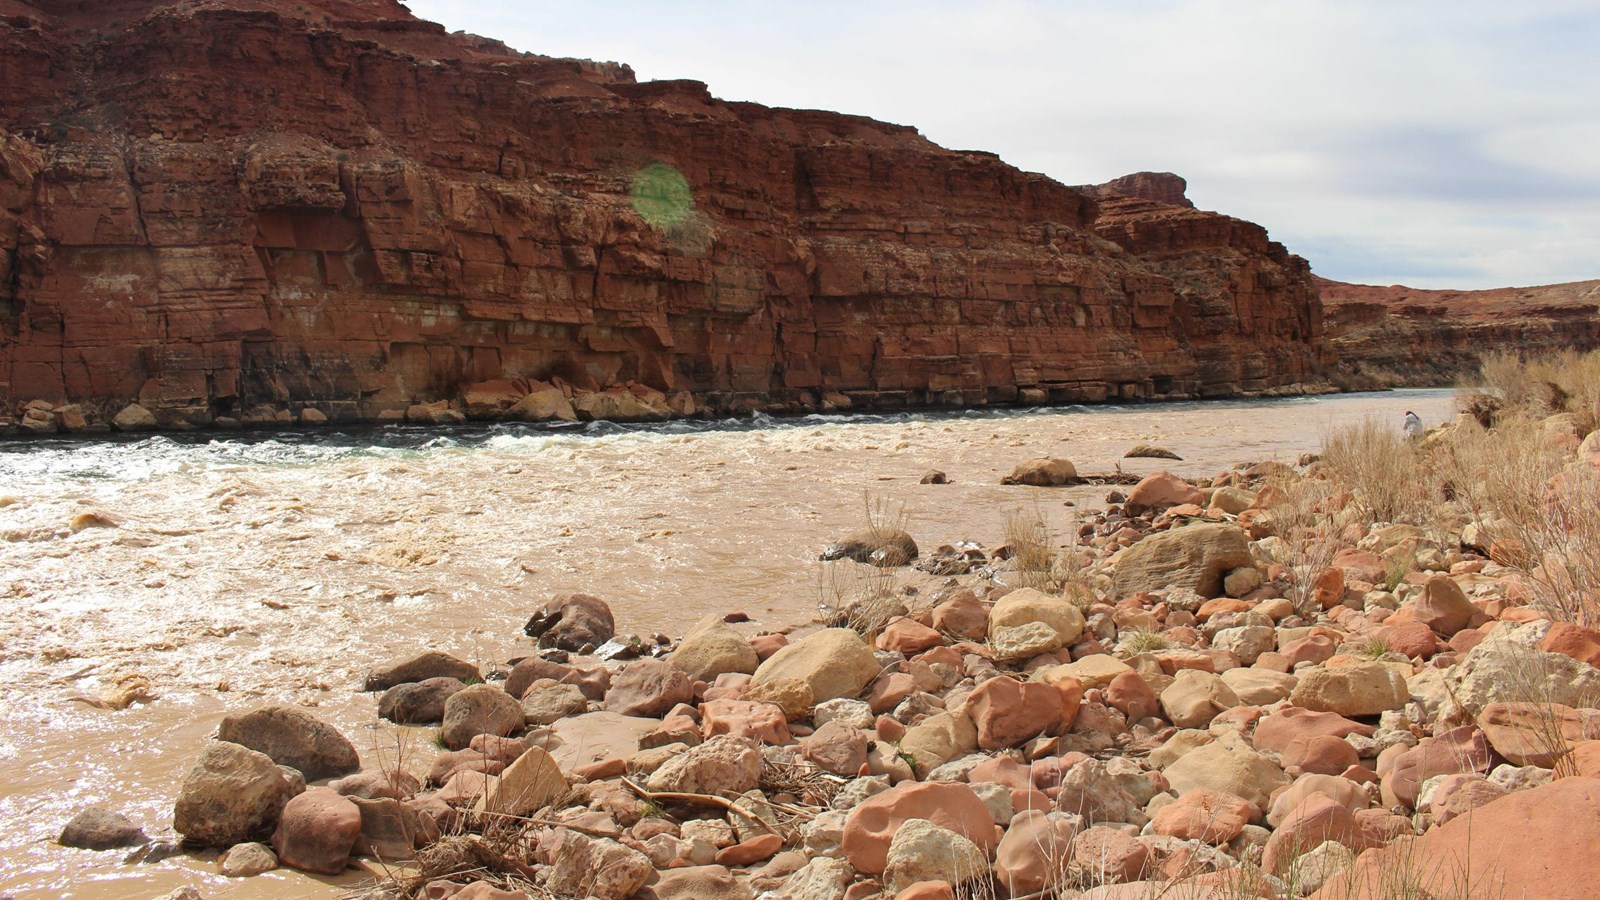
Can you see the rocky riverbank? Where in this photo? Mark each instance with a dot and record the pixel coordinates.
(1243, 686)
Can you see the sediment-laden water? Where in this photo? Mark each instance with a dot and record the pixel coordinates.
(234, 571)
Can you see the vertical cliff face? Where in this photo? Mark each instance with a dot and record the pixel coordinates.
(222, 208)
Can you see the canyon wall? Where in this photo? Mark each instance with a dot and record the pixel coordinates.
(1397, 336)
(245, 209)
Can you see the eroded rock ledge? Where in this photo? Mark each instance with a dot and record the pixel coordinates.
(244, 210)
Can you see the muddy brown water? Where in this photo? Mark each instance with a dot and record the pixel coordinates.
(240, 572)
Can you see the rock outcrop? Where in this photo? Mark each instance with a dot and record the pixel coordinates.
(1399, 336)
(274, 212)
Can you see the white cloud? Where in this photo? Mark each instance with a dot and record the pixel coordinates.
(1439, 143)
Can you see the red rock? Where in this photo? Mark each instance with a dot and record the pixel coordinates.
(1413, 639)
(764, 722)
(1160, 490)
(1456, 795)
(1443, 606)
(1008, 712)
(1537, 734)
(927, 890)
(1582, 644)
(1313, 648)
(1109, 856)
(872, 823)
(1321, 754)
(908, 636)
(648, 687)
(593, 682)
(1033, 854)
(888, 689)
(1542, 842)
(1317, 820)
(837, 748)
(1212, 817)
(964, 616)
(283, 259)
(1220, 605)
(1130, 694)
(767, 644)
(754, 850)
(1425, 337)
(1361, 565)
(1328, 588)
(1455, 751)
(317, 831)
(1277, 731)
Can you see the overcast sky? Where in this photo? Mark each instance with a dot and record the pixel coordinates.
(1435, 143)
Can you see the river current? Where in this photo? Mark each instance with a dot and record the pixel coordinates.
(233, 571)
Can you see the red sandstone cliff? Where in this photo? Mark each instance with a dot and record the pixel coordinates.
(251, 208)
(1393, 336)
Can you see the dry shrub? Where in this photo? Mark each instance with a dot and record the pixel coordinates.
(1027, 534)
(1308, 535)
(1565, 382)
(1382, 468)
(1539, 505)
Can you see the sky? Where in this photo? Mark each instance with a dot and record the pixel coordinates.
(1449, 144)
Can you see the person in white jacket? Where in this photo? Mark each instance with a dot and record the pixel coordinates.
(1413, 425)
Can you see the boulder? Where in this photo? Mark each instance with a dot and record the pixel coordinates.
(712, 648)
(1277, 731)
(922, 851)
(938, 739)
(572, 622)
(701, 883)
(418, 702)
(432, 664)
(1537, 734)
(390, 829)
(762, 722)
(885, 547)
(1033, 855)
(725, 764)
(593, 682)
(1229, 765)
(542, 406)
(232, 795)
(1091, 789)
(134, 417)
(908, 636)
(648, 688)
(1195, 698)
(1108, 855)
(480, 709)
(1353, 689)
(1194, 557)
(873, 822)
(1314, 822)
(835, 662)
(547, 702)
(1452, 752)
(98, 828)
(1161, 490)
(293, 737)
(1043, 471)
(1211, 817)
(317, 831)
(1026, 605)
(1008, 712)
(1443, 606)
(583, 866)
(964, 616)
(532, 782)
(1259, 687)
(821, 878)
(247, 860)
(1534, 843)
(836, 747)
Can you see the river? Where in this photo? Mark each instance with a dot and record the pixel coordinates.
(238, 570)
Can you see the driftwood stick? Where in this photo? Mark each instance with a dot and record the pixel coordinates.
(698, 800)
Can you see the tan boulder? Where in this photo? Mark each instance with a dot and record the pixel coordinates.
(1043, 472)
(1227, 764)
(872, 823)
(1193, 557)
(1162, 489)
(1354, 689)
(1194, 698)
(712, 648)
(835, 662)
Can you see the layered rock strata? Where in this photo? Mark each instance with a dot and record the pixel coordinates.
(1394, 336)
(245, 209)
